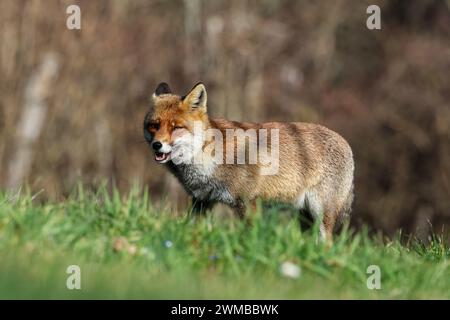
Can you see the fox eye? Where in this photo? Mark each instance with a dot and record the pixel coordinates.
(178, 127)
(153, 126)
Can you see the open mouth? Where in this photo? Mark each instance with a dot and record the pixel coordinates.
(162, 157)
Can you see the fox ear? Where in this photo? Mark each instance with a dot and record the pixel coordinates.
(162, 88)
(196, 99)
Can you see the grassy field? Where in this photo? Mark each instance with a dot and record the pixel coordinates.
(128, 248)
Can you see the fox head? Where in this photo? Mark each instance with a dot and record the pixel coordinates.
(169, 126)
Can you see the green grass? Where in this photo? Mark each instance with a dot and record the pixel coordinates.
(128, 248)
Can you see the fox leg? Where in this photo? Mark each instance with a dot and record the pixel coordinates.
(239, 208)
(317, 211)
(322, 211)
(327, 221)
(327, 226)
(335, 215)
(200, 207)
(253, 205)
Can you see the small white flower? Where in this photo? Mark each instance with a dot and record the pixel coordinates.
(168, 244)
(290, 270)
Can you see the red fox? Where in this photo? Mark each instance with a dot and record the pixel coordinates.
(310, 166)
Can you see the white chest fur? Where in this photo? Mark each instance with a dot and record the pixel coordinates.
(199, 181)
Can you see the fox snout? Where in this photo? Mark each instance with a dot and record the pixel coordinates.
(156, 145)
(162, 151)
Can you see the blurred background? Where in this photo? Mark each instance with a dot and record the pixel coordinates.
(72, 102)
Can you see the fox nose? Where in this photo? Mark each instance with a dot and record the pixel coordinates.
(156, 145)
